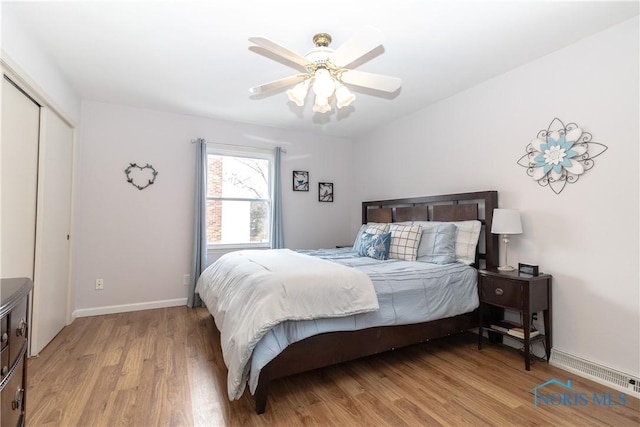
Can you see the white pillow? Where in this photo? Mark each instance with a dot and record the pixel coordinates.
(467, 240)
(404, 241)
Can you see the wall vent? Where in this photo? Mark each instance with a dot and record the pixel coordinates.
(628, 384)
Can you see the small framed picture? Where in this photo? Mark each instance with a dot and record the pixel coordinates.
(300, 181)
(325, 191)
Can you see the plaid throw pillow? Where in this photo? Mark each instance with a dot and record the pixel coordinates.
(404, 241)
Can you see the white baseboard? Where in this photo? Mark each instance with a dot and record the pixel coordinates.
(620, 381)
(113, 309)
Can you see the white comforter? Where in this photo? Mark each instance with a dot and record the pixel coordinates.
(248, 292)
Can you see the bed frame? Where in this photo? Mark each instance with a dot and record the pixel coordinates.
(335, 347)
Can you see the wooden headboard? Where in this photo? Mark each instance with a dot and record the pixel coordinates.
(448, 207)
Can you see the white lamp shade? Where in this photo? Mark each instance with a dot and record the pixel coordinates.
(506, 221)
(299, 93)
(344, 97)
(321, 105)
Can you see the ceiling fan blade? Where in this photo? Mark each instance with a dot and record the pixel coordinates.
(370, 80)
(356, 47)
(280, 51)
(277, 84)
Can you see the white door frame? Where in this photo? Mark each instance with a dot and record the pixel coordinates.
(31, 88)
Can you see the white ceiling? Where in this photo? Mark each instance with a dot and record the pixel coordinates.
(194, 57)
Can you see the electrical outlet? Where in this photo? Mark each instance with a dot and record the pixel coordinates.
(186, 279)
(99, 284)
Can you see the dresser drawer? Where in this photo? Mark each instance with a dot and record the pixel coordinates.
(5, 363)
(4, 333)
(14, 304)
(12, 398)
(501, 292)
(18, 330)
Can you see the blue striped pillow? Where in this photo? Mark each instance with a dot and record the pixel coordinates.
(437, 244)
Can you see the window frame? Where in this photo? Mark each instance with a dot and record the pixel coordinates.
(248, 153)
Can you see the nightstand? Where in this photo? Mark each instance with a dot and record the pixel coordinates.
(525, 293)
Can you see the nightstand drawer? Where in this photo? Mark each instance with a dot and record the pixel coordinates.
(500, 292)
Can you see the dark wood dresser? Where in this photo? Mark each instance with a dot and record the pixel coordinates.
(14, 306)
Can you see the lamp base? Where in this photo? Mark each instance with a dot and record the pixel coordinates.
(506, 268)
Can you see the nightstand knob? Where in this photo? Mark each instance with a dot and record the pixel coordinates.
(499, 291)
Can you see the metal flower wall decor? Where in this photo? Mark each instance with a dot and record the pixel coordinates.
(560, 154)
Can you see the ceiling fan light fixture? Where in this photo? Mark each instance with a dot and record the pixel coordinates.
(321, 105)
(323, 83)
(344, 97)
(299, 93)
(327, 70)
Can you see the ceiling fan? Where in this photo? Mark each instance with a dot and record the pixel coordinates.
(326, 72)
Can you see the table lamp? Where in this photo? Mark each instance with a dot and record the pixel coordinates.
(506, 222)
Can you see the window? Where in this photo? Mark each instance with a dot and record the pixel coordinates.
(238, 198)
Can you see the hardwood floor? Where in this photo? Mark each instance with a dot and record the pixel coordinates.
(165, 367)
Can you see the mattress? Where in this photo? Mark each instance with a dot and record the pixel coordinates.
(408, 292)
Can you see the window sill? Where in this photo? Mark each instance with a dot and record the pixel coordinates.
(215, 252)
(237, 246)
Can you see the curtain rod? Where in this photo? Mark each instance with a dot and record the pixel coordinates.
(193, 141)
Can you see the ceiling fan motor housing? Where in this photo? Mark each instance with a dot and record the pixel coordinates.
(322, 39)
(319, 56)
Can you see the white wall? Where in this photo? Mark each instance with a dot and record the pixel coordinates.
(587, 236)
(139, 242)
(24, 56)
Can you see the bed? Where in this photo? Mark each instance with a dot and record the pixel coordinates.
(312, 344)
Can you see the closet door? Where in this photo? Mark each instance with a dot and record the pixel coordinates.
(51, 283)
(19, 174)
